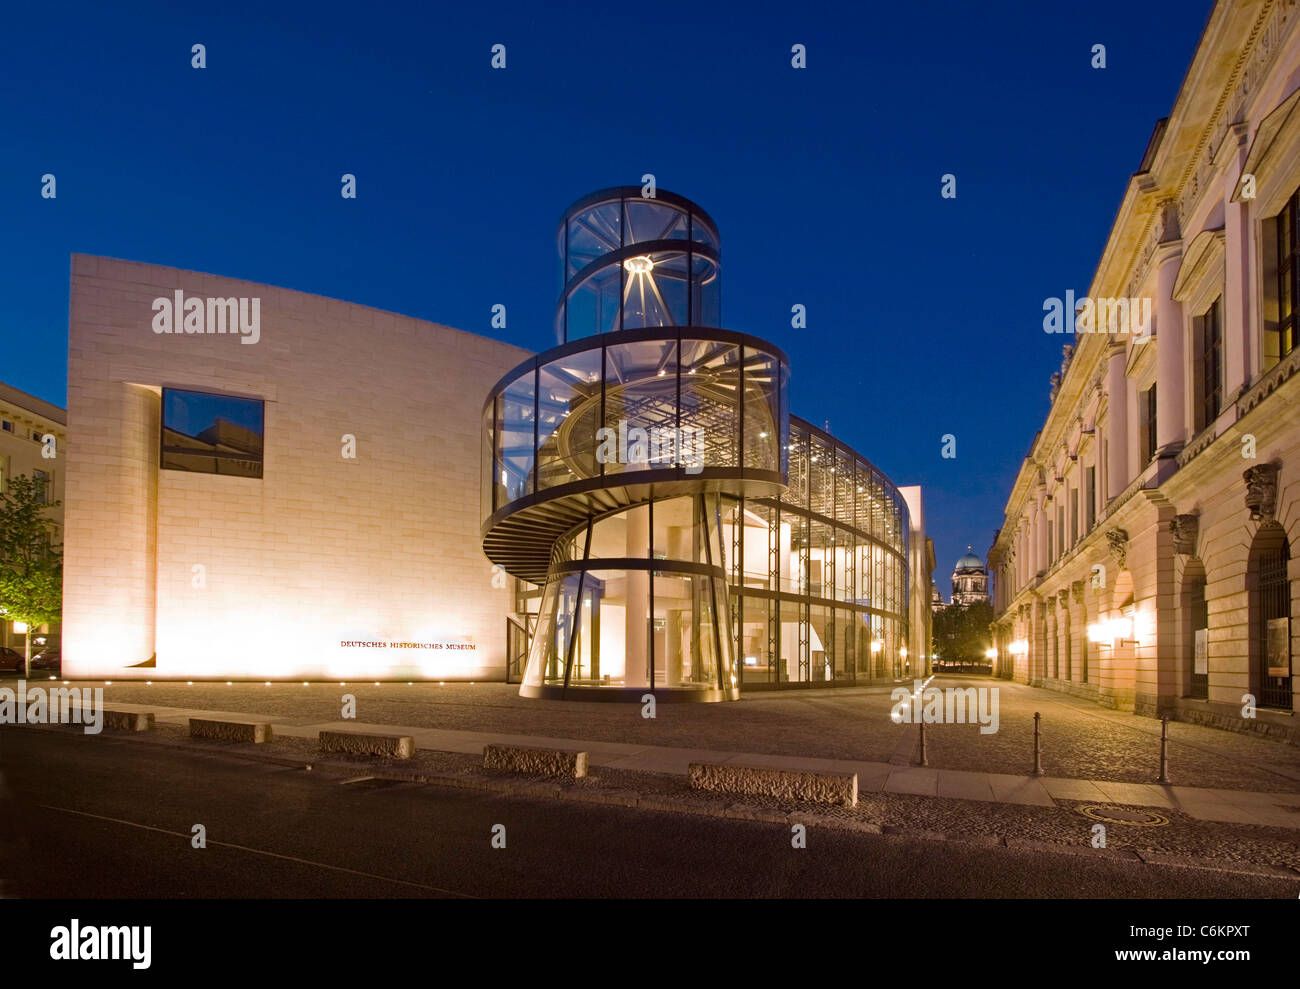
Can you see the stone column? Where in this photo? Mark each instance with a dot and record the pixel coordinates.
(1237, 294)
(1160, 661)
(1020, 665)
(1116, 422)
(1170, 421)
(1064, 629)
(1022, 554)
(1049, 636)
(1079, 633)
(1135, 463)
(1040, 542)
(1038, 642)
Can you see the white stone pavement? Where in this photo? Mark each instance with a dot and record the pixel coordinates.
(1235, 806)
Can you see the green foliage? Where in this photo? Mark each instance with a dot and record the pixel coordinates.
(31, 567)
(961, 634)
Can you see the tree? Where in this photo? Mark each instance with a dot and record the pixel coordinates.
(31, 566)
(961, 633)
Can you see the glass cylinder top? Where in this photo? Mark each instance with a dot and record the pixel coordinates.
(632, 262)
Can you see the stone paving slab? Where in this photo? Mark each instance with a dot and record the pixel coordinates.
(1063, 789)
(660, 759)
(913, 780)
(1139, 794)
(1008, 789)
(871, 775)
(1248, 798)
(964, 785)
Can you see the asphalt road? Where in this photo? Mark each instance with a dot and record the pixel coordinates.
(84, 817)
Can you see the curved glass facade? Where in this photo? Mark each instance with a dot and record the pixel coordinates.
(693, 404)
(637, 435)
(811, 585)
(818, 576)
(632, 262)
(672, 528)
(634, 600)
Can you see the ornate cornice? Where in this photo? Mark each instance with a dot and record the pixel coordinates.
(1165, 226)
(1199, 443)
(1257, 55)
(1281, 372)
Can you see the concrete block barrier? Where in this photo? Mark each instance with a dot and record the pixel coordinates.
(128, 720)
(840, 789)
(535, 762)
(364, 743)
(230, 731)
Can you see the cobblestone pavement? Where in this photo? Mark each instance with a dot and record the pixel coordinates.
(1081, 740)
(1064, 824)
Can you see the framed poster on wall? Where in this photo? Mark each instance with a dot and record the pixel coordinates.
(1279, 647)
(1201, 655)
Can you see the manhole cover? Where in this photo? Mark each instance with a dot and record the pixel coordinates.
(1121, 815)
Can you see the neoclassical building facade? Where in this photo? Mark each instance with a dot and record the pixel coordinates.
(1145, 557)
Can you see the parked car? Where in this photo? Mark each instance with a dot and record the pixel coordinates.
(47, 659)
(11, 660)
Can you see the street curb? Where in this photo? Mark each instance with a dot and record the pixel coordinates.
(1217, 865)
(1035, 844)
(754, 812)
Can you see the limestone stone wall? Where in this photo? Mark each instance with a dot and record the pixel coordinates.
(222, 576)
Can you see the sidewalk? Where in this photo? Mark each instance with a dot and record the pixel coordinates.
(1233, 806)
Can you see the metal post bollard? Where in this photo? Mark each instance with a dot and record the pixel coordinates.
(921, 725)
(1164, 750)
(1038, 749)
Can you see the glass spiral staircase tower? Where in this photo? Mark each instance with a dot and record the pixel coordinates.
(607, 458)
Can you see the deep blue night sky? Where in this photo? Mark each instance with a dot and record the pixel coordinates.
(924, 314)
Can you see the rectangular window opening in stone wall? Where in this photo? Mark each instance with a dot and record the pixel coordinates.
(1090, 497)
(212, 434)
(1281, 252)
(1148, 425)
(1207, 370)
